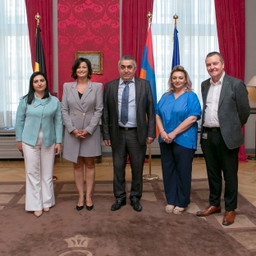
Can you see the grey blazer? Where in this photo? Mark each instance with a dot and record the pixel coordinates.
(84, 114)
(233, 111)
(145, 111)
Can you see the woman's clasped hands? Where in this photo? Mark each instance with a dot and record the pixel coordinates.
(80, 134)
(168, 138)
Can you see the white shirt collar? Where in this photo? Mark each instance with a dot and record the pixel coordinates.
(218, 82)
(121, 81)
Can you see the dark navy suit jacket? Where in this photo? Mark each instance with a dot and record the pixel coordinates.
(145, 111)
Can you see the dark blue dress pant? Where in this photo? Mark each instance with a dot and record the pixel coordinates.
(177, 169)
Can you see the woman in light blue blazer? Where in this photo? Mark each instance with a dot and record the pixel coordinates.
(39, 137)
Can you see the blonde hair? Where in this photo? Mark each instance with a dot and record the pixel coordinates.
(188, 85)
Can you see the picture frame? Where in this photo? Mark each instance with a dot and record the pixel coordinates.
(95, 57)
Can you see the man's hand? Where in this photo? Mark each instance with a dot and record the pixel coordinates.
(149, 140)
(107, 143)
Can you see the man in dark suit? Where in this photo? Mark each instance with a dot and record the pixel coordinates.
(225, 110)
(129, 136)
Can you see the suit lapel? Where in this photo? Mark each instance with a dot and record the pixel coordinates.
(224, 89)
(206, 90)
(115, 86)
(87, 91)
(75, 95)
(137, 92)
(75, 92)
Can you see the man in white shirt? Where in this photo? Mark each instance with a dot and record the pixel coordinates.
(225, 110)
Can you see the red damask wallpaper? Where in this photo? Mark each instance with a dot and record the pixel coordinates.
(88, 25)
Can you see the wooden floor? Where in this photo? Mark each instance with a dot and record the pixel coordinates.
(11, 170)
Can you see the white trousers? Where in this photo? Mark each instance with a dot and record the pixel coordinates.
(39, 161)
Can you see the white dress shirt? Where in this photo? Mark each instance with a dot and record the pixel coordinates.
(211, 118)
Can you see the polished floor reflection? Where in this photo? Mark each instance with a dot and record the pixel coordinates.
(12, 177)
(11, 170)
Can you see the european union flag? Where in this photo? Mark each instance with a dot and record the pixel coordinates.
(176, 51)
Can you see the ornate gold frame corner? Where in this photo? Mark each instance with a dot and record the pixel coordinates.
(96, 59)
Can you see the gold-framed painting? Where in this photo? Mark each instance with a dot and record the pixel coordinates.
(96, 59)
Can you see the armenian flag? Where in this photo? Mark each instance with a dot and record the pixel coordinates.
(147, 68)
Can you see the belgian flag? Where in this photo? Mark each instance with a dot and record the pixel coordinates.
(39, 61)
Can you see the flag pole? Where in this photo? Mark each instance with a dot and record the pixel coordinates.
(175, 17)
(176, 54)
(39, 66)
(150, 176)
(149, 16)
(37, 17)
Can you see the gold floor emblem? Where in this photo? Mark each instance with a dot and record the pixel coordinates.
(76, 246)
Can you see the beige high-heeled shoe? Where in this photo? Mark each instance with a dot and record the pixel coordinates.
(38, 213)
(46, 209)
(178, 210)
(169, 208)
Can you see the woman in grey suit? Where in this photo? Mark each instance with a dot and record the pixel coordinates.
(81, 111)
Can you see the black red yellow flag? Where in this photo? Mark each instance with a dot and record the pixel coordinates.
(39, 61)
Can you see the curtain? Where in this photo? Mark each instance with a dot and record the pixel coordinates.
(230, 15)
(44, 8)
(134, 28)
(197, 35)
(15, 61)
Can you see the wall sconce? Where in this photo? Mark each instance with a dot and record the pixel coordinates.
(252, 83)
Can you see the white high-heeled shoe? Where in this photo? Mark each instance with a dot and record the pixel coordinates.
(169, 208)
(178, 210)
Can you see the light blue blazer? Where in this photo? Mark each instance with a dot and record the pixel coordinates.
(41, 113)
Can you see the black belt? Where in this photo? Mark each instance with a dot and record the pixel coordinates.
(212, 129)
(127, 128)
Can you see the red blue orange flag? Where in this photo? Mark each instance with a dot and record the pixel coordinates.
(147, 68)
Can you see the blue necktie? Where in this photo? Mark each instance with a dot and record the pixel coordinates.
(124, 105)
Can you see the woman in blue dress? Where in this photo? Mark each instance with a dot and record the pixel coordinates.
(177, 114)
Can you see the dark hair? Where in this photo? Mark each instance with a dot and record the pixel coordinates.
(31, 92)
(188, 85)
(76, 65)
(210, 54)
(127, 57)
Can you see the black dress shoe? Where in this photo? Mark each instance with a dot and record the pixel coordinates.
(89, 208)
(118, 204)
(79, 208)
(135, 203)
